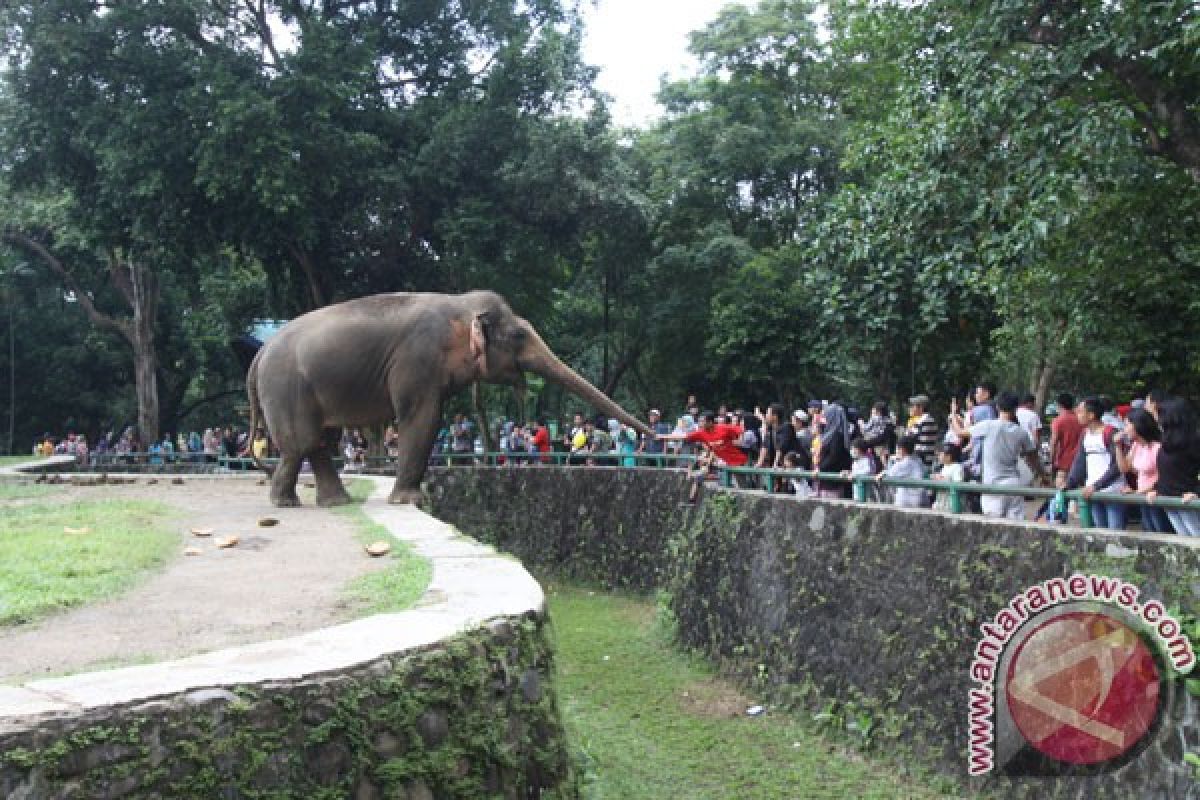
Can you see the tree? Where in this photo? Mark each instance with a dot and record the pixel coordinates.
(1024, 166)
(731, 177)
(101, 104)
(400, 146)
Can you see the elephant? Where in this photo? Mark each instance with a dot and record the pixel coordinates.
(388, 357)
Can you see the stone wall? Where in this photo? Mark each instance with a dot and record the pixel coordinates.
(473, 716)
(871, 612)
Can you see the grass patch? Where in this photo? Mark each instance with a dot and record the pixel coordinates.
(44, 570)
(652, 722)
(402, 582)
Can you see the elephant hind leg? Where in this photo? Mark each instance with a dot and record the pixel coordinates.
(330, 491)
(283, 482)
(414, 442)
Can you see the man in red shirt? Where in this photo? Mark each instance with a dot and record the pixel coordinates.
(1066, 433)
(541, 439)
(720, 439)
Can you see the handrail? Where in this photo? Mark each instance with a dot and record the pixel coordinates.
(725, 475)
(956, 489)
(560, 458)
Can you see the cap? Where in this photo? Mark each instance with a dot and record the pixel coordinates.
(656, 412)
(921, 400)
(814, 404)
(800, 414)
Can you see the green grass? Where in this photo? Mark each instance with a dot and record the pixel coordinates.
(399, 585)
(622, 688)
(44, 570)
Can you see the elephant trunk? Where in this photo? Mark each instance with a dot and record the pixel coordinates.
(539, 359)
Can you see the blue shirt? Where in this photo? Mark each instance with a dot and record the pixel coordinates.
(654, 445)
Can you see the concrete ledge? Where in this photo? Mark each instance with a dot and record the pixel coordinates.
(473, 589)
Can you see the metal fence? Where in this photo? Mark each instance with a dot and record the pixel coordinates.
(769, 480)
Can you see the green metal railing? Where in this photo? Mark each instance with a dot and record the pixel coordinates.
(769, 479)
(954, 490)
(559, 458)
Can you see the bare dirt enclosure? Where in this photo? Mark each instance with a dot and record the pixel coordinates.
(275, 582)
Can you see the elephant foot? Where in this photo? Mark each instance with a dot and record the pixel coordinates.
(402, 497)
(285, 501)
(336, 499)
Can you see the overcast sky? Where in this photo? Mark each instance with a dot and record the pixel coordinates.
(635, 41)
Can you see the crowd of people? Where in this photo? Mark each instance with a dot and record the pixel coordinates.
(1150, 446)
(213, 443)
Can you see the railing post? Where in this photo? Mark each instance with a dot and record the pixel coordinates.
(860, 489)
(724, 478)
(770, 483)
(955, 500)
(1085, 512)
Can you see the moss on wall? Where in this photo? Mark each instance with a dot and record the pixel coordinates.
(472, 717)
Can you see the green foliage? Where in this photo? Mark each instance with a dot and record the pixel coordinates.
(930, 194)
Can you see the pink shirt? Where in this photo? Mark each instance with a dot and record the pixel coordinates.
(1144, 459)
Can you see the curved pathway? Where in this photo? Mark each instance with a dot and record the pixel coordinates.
(471, 584)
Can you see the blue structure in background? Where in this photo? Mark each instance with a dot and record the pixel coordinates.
(246, 345)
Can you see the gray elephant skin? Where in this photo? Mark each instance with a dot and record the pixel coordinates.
(391, 356)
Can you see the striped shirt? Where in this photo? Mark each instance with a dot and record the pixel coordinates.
(928, 436)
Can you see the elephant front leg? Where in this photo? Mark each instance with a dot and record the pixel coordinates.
(283, 483)
(415, 441)
(330, 491)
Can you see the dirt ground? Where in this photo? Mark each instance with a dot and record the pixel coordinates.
(277, 582)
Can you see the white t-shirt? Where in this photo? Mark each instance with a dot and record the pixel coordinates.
(1098, 460)
(1029, 420)
(861, 466)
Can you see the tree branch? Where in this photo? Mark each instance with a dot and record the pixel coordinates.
(1164, 108)
(259, 12)
(98, 317)
(182, 413)
(1156, 106)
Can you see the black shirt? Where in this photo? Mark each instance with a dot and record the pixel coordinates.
(1178, 470)
(784, 441)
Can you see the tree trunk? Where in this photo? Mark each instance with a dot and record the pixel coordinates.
(479, 396)
(316, 292)
(613, 376)
(138, 285)
(1041, 387)
(145, 370)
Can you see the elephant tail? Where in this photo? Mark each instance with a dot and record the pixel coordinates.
(256, 414)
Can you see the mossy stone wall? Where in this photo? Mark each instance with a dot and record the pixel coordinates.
(474, 716)
(870, 614)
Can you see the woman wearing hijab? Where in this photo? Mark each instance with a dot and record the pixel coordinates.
(835, 450)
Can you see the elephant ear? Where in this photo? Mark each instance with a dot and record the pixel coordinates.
(479, 342)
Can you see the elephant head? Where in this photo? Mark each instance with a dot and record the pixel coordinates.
(504, 346)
